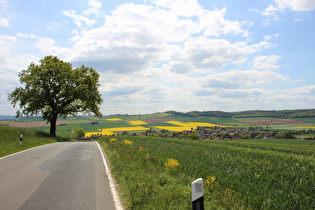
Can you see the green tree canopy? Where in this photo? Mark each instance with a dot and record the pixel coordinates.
(79, 132)
(54, 89)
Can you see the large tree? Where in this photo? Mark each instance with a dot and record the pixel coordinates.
(54, 89)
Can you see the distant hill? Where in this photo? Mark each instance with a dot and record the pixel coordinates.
(285, 114)
(6, 117)
(298, 113)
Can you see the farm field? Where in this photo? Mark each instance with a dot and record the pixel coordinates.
(111, 125)
(239, 174)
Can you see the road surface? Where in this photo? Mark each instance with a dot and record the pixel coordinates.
(68, 175)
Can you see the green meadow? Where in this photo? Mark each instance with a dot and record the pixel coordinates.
(237, 174)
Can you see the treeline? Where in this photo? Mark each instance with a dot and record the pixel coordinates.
(203, 114)
(298, 113)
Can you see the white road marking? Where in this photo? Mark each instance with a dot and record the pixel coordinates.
(112, 186)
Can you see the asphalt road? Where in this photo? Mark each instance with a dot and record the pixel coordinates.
(68, 175)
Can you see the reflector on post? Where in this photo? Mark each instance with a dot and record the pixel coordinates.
(197, 194)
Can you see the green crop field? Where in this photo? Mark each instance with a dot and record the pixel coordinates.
(237, 174)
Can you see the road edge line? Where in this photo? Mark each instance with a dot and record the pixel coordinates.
(112, 185)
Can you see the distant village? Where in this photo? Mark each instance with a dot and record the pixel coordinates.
(219, 133)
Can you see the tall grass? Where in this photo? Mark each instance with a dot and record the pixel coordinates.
(10, 139)
(237, 174)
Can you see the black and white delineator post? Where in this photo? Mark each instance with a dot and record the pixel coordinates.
(197, 194)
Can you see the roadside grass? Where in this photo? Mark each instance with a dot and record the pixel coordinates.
(10, 139)
(143, 181)
(247, 174)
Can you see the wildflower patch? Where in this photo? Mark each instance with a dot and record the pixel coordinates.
(171, 164)
(211, 183)
(112, 140)
(128, 142)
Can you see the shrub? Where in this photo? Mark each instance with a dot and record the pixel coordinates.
(79, 132)
(194, 136)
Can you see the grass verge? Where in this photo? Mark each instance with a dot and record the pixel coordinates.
(10, 139)
(236, 174)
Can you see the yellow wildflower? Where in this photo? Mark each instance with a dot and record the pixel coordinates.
(141, 149)
(171, 164)
(211, 182)
(128, 142)
(228, 191)
(112, 140)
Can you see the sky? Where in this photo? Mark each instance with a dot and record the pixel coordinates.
(160, 55)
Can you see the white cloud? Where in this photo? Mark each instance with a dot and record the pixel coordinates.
(271, 11)
(95, 7)
(4, 22)
(6, 43)
(240, 94)
(302, 92)
(214, 23)
(82, 20)
(185, 8)
(10, 64)
(205, 55)
(270, 37)
(136, 37)
(240, 79)
(266, 62)
(296, 5)
(79, 19)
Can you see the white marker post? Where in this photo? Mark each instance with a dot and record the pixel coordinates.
(197, 194)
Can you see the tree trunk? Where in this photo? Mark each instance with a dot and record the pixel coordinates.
(53, 123)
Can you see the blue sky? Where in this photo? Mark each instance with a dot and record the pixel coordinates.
(183, 55)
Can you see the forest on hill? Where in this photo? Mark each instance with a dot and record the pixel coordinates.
(298, 113)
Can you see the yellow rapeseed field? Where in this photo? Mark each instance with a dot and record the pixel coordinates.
(133, 128)
(109, 131)
(137, 122)
(174, 128)
(113, 119)
(177, 123)
(185, 126)
(304, 126)
(203, 124)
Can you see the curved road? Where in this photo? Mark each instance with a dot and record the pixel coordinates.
(68, 175)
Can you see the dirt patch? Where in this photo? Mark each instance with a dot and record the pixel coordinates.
(155, 120)
(272, 122)
(5, 122)
(35, 124)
